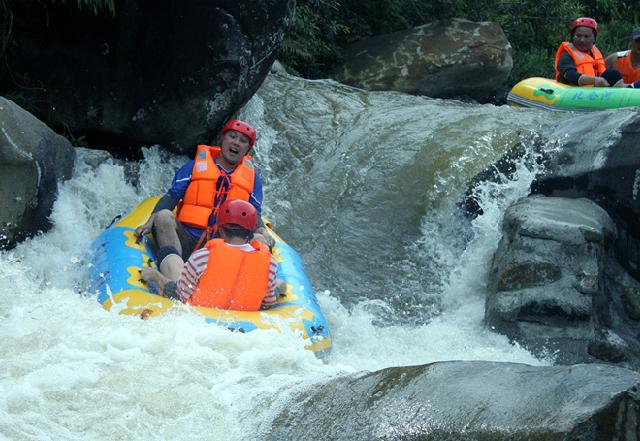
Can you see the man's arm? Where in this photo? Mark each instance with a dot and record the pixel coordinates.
(276, 286)
(167, 202)
(191, 273)
(170, 199)
(567, 69)
(256, 199)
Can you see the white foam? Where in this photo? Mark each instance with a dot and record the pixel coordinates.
(73, 371)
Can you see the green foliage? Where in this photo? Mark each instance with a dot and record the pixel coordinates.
(534, 28)
(367, 18)
(616, 19)
(310, 46)
(322, 27)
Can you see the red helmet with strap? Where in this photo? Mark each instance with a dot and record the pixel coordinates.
(237, 213)
(586, 22)
(241, 127)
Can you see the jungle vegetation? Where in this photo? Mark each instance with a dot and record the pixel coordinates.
(534, 28)
(321, 28)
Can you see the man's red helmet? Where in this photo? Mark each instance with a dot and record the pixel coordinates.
(242, 127)
(237, 213)
(586, 22)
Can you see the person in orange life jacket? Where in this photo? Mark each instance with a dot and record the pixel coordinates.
(200, 187)
(228, 272)
(580, 62)
(628, 62)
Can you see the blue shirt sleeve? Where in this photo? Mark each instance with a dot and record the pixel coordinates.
(256, 197)
(181, 180)
(568, 72)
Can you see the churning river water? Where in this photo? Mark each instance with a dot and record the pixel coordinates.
(364, 185)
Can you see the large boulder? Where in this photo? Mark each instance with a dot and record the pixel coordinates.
(593, 156)
(33, 159)
(442, 59)
(597, 156)
(158, 72)
(556, 288)
(468, 400)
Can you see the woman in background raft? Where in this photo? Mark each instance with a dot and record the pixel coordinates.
(580, 62)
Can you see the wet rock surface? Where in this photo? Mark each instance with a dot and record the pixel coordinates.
(158, 72)
(33, 160)
(469, 400)
(551, 285)
(563, 280)
(444, 59)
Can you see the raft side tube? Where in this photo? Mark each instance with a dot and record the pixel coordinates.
(552, 95)
(114, 276)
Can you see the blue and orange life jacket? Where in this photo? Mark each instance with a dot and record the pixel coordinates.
(207, 191)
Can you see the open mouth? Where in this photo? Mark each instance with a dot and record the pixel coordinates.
(234, 150)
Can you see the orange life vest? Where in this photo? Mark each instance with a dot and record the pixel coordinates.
(629, 73)
(202, 198)
(586, 63)
(233, 279)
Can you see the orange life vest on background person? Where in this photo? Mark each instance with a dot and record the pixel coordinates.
(586, 63)
(623, 61)
(199, 199)
(233, 279)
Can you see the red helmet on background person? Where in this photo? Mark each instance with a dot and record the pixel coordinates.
(237, 213)
(585, 22)
(241, 127)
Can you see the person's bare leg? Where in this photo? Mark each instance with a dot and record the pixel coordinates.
(165, 226)
(171, 266)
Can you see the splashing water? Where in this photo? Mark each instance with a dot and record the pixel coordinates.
(72, 371)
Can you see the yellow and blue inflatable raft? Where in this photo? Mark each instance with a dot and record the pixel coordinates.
(115, 277)
(552, 95)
